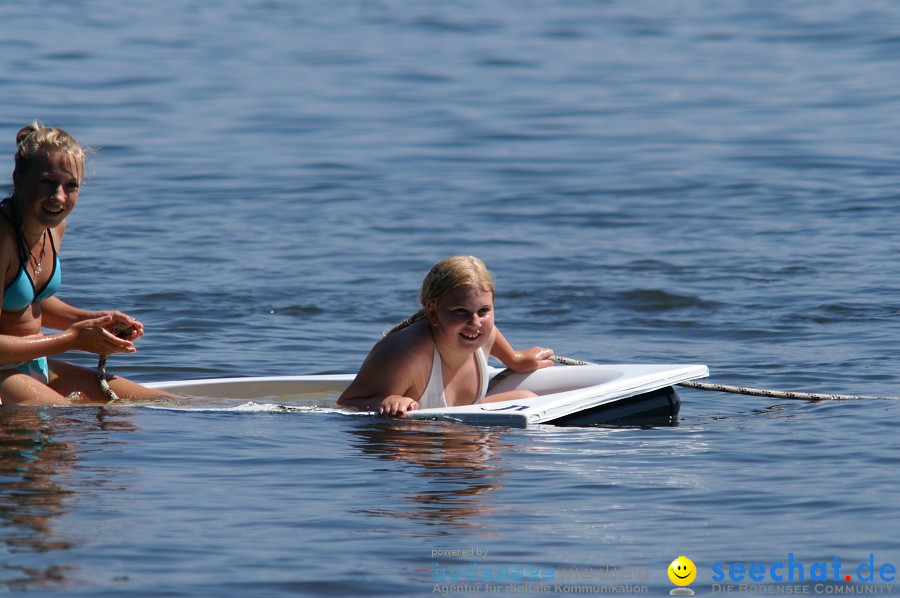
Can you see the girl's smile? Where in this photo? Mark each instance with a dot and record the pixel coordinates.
(464, 317)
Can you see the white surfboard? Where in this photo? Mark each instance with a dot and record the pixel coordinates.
(567, 395)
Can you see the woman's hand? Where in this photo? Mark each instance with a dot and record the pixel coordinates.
(125, 320)
(531, 359)
(93, 335)
(396, 405)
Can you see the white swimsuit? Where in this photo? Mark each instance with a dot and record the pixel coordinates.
(433, 397)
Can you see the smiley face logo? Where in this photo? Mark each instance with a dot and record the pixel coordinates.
(682, 571)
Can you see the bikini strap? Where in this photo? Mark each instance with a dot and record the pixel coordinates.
(52, 244)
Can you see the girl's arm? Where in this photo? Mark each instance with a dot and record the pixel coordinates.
(526, 360)
(384, 380)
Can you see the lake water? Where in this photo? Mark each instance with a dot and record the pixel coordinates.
(649, 181)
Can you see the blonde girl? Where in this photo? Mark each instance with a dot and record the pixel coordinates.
(438, 356)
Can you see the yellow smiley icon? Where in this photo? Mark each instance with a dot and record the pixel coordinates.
(682, 571)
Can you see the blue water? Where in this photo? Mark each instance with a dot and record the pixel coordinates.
(696, 182)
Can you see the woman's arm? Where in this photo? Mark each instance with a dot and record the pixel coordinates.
(91, 336)
(59, 315)
(526, 360)
(20, 343)
(16, 349)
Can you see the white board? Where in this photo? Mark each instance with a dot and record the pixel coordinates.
(564, 391)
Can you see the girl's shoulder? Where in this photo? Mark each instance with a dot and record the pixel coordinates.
(397, 365)
(408, 343)
(404, 355)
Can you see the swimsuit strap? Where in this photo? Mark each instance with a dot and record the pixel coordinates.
(52, 244)
(433, 395)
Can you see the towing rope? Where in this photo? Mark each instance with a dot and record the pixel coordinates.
(123, 331)
(777, 394)
(101, 377)
(744, 390)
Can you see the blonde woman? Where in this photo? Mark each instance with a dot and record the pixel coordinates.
(49, 167)
(438, 356)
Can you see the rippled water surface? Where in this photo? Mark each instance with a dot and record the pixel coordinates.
(688, 182)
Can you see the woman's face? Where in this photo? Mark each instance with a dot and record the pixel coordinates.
(463, 319)
(48, 189)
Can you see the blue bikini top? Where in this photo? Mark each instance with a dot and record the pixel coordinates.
(21, 292)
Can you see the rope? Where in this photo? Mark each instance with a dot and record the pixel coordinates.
(569, 361)
(744, 390)
(122, 331)
(777, 394)
(101, 378)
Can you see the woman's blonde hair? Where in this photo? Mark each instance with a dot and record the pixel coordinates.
(37, 142)
(445, 276)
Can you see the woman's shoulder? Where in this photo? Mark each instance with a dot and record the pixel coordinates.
(9, 253)
(8, 238)
(6, 219)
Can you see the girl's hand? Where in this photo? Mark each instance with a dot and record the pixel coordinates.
(93, 336)
(395, 405)
(531, 359)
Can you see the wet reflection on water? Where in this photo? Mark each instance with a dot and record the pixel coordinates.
(39, 475)
(456, 468)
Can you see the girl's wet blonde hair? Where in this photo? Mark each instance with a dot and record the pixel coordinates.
(37, 142)
(445, 276)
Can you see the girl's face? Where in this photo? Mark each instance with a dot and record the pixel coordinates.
(48, 190)
(463, 319)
